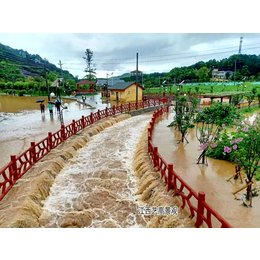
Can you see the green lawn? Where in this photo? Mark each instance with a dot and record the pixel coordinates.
(206, 88)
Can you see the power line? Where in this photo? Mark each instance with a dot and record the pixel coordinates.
(159, 60)
(179, 53)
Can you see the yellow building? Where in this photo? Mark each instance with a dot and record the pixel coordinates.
(125, 92)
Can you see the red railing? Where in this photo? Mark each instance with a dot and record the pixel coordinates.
(19, 165)
(195, 202)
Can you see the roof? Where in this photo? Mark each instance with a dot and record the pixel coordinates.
(123, 85)
(55, 83)
(85, 82)
(101, 82)
(134, 71)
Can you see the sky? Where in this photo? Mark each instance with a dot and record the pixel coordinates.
(116, 52)
(164, 34)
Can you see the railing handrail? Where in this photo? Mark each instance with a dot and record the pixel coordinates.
(172, 178)
(9, 171)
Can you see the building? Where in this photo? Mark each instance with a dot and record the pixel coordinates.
(85, 86)
(110, 82)
(217, 74)
(125, 92)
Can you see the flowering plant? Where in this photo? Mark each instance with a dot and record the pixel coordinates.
(241, 147)
(210, 123)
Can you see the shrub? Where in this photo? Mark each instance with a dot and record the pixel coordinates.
(30, 92)
(8, 85)
(21, 92)
(9, 91)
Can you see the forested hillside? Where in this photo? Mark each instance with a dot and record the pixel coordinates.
(20, 70)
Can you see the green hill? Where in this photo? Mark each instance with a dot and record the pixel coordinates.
(19, 64)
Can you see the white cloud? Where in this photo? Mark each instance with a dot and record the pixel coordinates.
(165, 50)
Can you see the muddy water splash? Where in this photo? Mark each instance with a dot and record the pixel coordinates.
(153, 192)
(22, 206)
(97, 187)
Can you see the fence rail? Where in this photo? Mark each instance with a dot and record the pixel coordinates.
(200, 208)
(19, 165)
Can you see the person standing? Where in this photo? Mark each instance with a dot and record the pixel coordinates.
(50, 109)
(42, 108)
(58, 104)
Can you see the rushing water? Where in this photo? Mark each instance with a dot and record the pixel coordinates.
(21, 122)
(211, 179)
(96, 188)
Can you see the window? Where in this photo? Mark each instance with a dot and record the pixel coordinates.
(112, 92)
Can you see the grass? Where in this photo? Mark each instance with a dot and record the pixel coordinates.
(206, 88)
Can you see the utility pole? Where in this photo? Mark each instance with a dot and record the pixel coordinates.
(240, 45)
(48, 90)
(62, 74)
(61, 115)
(239, 52)
(136, 77)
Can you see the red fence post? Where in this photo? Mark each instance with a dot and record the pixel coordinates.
(98, 114)
(33, 152)
(114, 110)
(14, 167)
(129, 107)
(106, 112)
(121, 107)
(136, 105)
(170, 172)
(50, 140)
(63, 136)
(155, 154)
(74, 127)
(200, 212)
(83, 122)
(143, 104)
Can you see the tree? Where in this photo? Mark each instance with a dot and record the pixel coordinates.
(236, 99)
(250, 97)
(90, 69)
(241, 147)
(184, 115)
(2, 85)
(203, 74)
(209, 123)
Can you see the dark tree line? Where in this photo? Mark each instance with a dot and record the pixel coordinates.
(246, 66)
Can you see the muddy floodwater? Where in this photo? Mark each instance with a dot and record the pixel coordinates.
(97, 188)
(211, 179)
(21, 121)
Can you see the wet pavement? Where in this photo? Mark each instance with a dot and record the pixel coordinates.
(211, 179)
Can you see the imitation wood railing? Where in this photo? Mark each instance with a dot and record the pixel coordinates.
(20, 164)
(195, 202)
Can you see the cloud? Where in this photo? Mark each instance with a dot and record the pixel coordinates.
(116, 52)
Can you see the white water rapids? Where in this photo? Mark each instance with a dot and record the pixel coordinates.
(97, 188)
